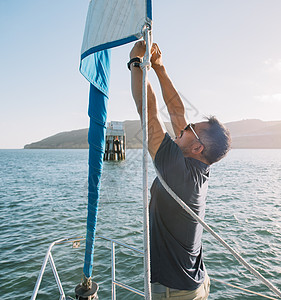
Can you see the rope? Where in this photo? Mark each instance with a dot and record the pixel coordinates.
(214, 234)
(145, 65)
(242, 289)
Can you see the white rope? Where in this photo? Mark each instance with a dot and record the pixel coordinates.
(242, 289)
(233, 252)
(145, 65)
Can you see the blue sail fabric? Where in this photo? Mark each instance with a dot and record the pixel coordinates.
(98, 73)
(110, 23)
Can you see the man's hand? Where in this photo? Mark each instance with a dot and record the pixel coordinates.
(156, 133)
(156, 56)
(171, 97)
(138, 50)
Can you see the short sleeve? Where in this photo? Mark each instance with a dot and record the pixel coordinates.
(170, 162)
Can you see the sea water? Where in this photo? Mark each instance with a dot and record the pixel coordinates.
(43, 198)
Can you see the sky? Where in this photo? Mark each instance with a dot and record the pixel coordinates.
(223, 56)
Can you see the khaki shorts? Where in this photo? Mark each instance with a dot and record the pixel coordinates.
(201, 293)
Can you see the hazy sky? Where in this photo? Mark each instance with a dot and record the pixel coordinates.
(224, 57)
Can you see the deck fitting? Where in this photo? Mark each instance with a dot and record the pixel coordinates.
(87, 290)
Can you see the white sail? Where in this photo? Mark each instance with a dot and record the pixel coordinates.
(113, 23)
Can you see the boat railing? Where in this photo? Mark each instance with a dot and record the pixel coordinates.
(76, 243)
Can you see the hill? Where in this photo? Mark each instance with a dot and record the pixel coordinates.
(252, 134)
(245, 134)
(76, 139)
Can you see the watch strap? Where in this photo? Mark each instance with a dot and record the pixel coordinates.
(136, 62)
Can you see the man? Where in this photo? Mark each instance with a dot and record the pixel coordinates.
(177, 268)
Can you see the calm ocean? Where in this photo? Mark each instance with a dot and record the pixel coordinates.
(43, 197)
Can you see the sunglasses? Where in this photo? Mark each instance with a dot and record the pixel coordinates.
(190, 126)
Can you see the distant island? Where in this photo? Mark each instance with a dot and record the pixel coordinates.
(246, 134)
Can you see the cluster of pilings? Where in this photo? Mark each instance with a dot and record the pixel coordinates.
(115, 141)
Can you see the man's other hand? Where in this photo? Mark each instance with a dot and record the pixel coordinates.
(156, 56)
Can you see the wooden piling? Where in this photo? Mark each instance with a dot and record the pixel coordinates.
(115, 141)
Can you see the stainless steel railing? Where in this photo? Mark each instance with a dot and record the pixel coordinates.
(76, 243)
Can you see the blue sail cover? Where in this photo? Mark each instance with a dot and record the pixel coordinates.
(97, 112)
(109, 23)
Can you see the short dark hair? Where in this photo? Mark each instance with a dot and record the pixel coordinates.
(216, 140)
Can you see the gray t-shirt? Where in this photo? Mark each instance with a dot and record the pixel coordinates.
(175, 237)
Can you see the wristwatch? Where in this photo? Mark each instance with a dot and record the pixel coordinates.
(135, 61)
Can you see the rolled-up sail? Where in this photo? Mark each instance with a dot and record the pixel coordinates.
(109, 23)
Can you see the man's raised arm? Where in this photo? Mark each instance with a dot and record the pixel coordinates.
(170, 95)
(155, 130)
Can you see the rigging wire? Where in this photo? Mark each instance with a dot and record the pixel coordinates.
(243, 289)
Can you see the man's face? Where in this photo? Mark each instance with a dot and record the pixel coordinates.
(188, 138)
